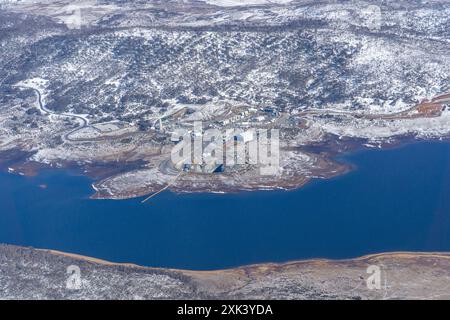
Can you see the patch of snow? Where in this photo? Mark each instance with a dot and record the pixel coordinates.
(236, 3)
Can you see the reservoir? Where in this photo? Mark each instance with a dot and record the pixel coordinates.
(394, 200)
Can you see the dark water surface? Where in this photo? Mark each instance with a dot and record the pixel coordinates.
(396, 200)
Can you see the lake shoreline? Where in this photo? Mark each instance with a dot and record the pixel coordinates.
(392, 254)
(15, 162)
(326, 219)
(44, 275)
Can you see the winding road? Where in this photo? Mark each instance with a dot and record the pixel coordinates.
(84, 122)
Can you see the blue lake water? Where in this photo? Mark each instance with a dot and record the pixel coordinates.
(396, 200)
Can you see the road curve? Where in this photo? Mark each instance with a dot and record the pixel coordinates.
(83, 121)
